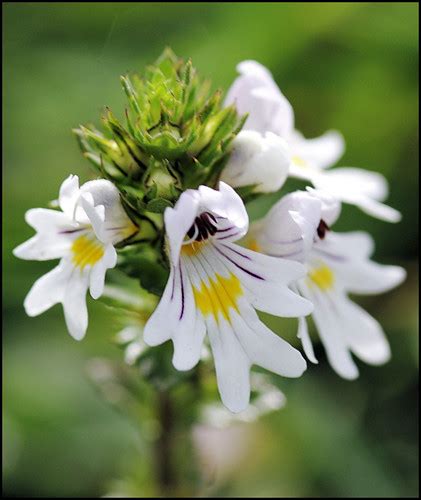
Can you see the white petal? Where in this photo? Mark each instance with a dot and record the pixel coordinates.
(363, 333)
(348, 255)
(304, 336)
(116, 226)
(47, 290)
(225, 203)
(158, 328)
(44, 220)
(232, 366)
(43, 247)
(331, 334)
(264, 279)
(178, 221)
(97, 274)
(320, 152)
(359, 187)
(189, 331)
(257, 159)
(378, 210)
(264, 348)
(255, 92)
(74, 304)
(69, 192)
(96, 215)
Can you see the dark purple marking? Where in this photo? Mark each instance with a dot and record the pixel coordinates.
(71, 231)
(173, 286)
(226, 229)
(229, 235)
(237, 252)
(240, 267)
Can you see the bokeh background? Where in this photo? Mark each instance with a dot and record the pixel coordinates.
(350, 66)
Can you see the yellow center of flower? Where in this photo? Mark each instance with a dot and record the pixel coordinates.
(299, 161)
(322, 276)
(253, 245)
(219, 296)
(86, 251)
(192, 248)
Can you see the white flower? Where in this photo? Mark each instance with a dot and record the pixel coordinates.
(215, 286)
(257, 159)
(298, 228)
(255, 92)
(82, 235)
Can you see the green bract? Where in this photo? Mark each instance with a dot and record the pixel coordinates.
(176, 136)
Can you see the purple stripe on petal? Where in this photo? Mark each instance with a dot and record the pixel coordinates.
(229, 235)
(173, 286)
(236, 251)
(238, 265)
(226, 229)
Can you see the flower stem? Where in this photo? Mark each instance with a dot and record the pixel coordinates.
(164, 445)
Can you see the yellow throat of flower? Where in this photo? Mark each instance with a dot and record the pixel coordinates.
(86, 251)
(219, 296)
(322, 277)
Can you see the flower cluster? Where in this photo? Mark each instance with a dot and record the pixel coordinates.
(175, 182)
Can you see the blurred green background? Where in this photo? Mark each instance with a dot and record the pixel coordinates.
(350, 66)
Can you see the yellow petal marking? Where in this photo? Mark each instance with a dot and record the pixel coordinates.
(192, 248)
(322, 276)
(253, 245)
(86, 251)
(219, 296)
(299, 162)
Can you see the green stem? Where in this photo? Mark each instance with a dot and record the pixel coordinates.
(164, 446)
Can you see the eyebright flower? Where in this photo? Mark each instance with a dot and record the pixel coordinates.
(255, 92)
(256, 159)
(82, 235)
(298, 228)
(215, 286)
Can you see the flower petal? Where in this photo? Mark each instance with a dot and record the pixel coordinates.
(256, 93)
(359, 187)
(232, 365)
(74, 303)
(69, 192)
(256, 159)
(264, 279)
(304, 336)
(98, 271)
(363, 333)
(47, 290)
(331, 332)
(320, 152)
(265, 348)
(178, 221)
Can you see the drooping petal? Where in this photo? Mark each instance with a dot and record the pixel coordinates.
(98, 271)
(331, 332)
(74, 303)
(232, 365)
(364, 335)
(256, 93)
(47, 290)
(304, 336)
(257, 159)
